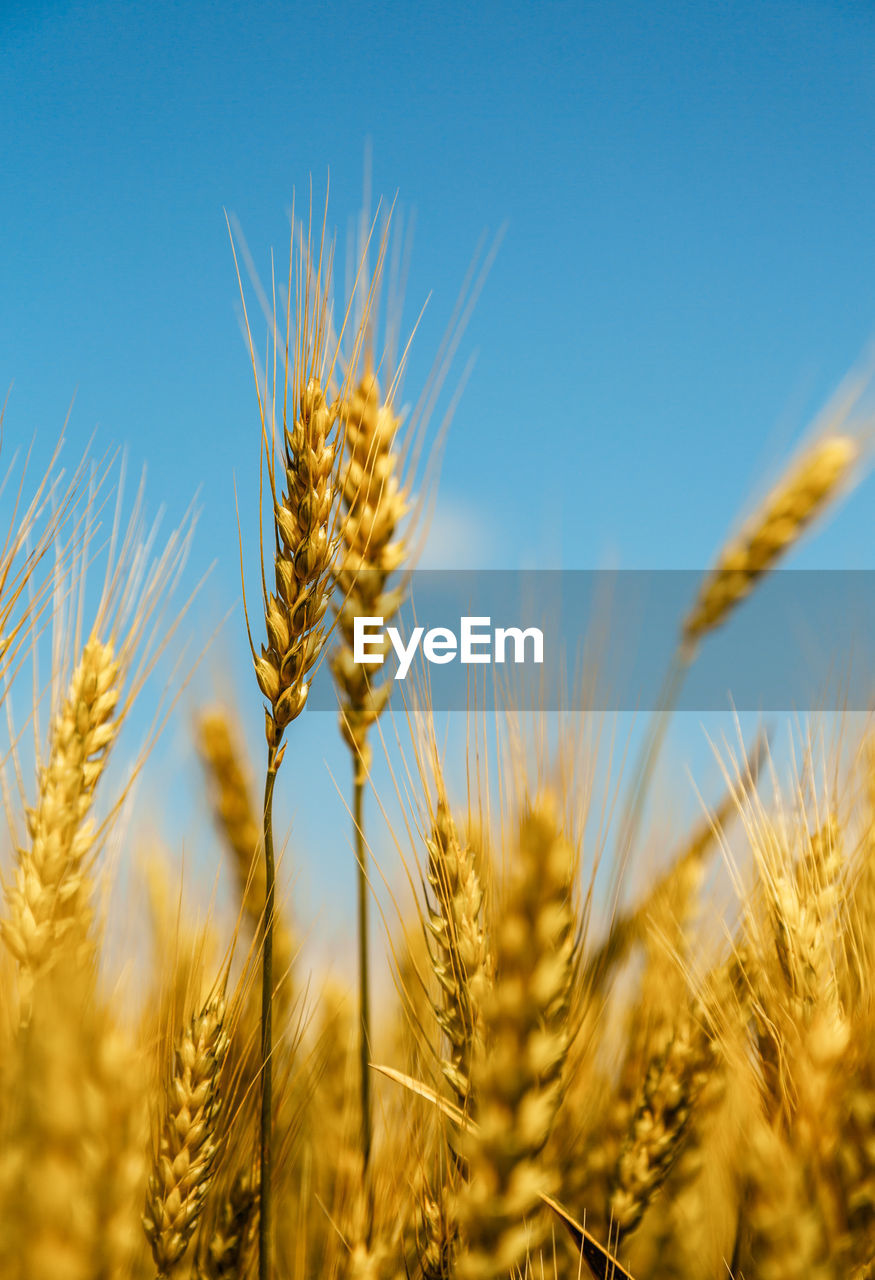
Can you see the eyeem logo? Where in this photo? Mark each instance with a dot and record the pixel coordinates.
(475, 643)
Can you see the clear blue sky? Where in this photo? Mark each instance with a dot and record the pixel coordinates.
(688, 267)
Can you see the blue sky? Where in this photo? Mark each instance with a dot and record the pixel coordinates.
(687, 269)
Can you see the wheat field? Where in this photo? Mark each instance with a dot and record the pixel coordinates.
(552, 1086)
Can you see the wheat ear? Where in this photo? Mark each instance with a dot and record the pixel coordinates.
(665, 1104)
(48, 901)
(799, 498)
(803, 493)
(374, 503)
(183, 1166)
(516, 1077)
(459, 949)
(235, 812)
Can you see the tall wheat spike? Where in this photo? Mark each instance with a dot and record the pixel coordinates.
(666, 1102)
(304, 479)
(799, 498)
(459, 948)
(375, 501)
(183, 1163)
(49, 900)
(516, 1077)
(374, 505)
(303, 519)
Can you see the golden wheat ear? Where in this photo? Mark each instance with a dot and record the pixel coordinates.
(458, 949)
(182, 1168)
(516, 1078)
(800, 497)
(663, 1110)
(830, 465)
(48, 904)
(374, 505)
(49, 901)
(828, 468)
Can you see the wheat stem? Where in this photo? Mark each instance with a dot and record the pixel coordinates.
(364, 977)
(264, 1191)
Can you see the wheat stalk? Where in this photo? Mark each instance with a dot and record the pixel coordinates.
(631, 927)
(305, 494)
(236, 817)
(304, 546)
(374, 503)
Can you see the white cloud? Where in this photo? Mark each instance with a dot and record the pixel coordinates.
(459, 537)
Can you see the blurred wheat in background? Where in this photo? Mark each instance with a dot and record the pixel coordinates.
(552, 1085)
